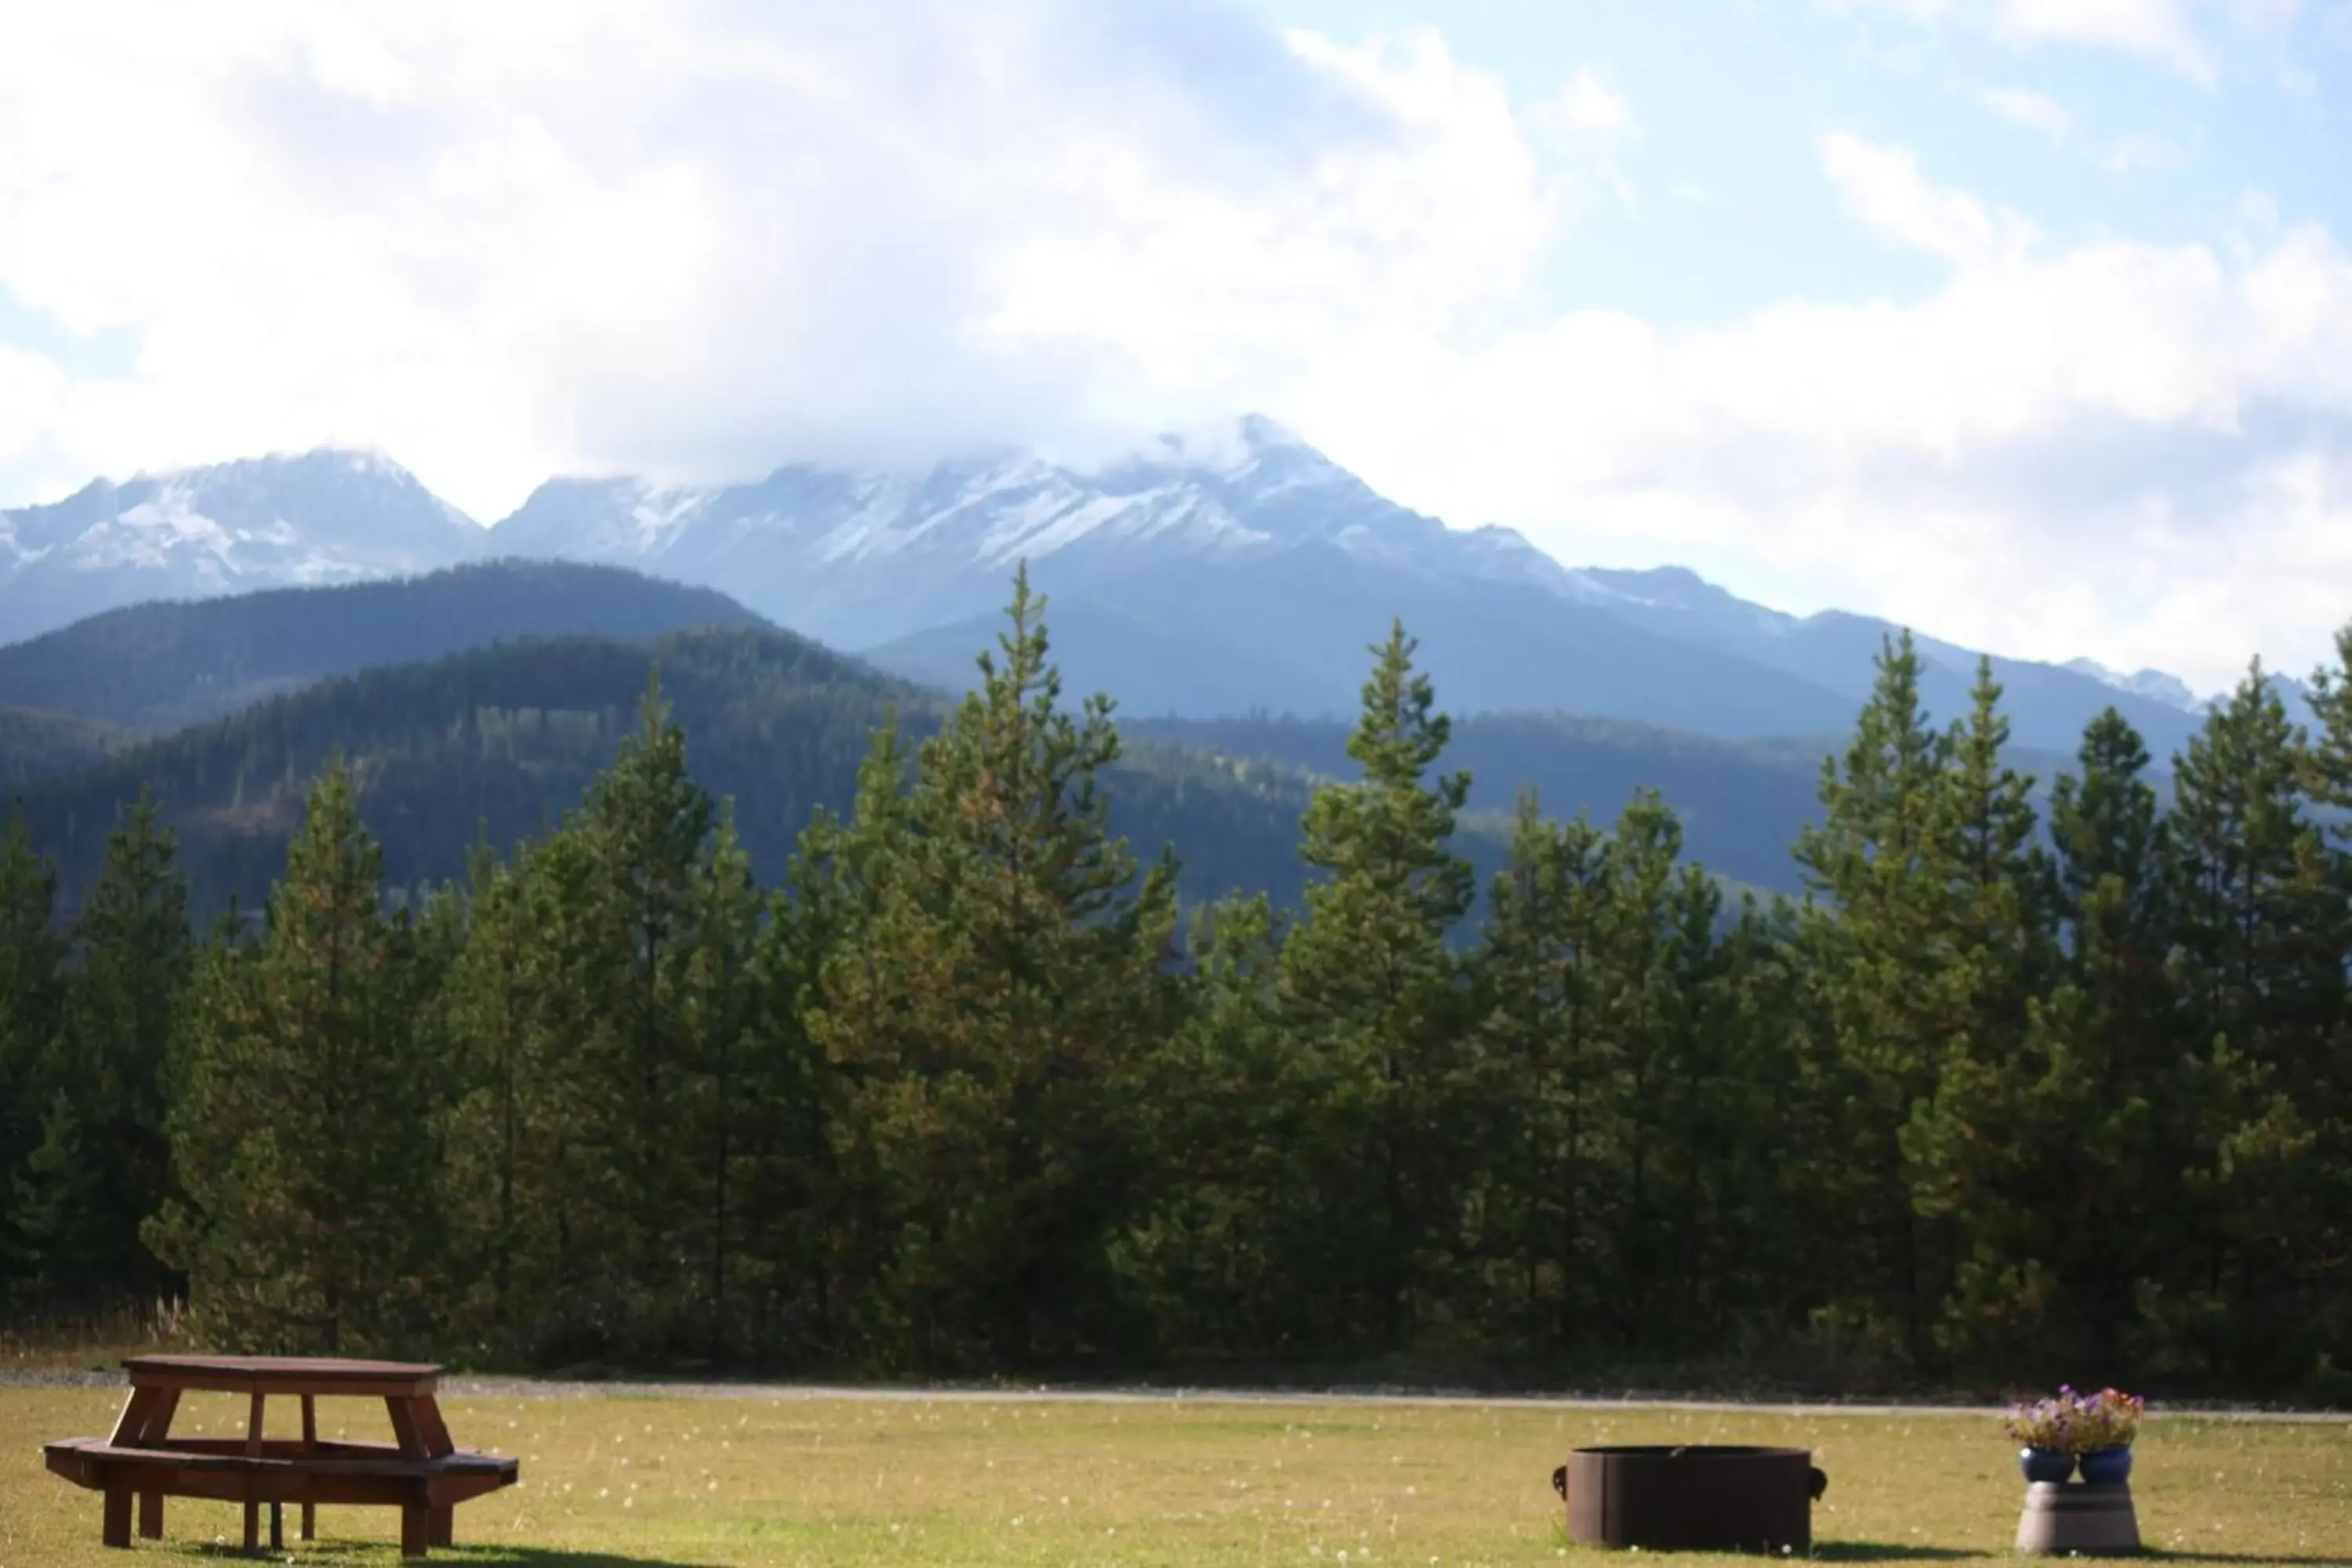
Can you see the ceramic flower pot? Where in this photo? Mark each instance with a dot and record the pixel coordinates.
(2108, 1467)
(2045, 1464)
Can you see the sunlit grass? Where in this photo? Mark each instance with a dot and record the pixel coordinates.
(911, 1482)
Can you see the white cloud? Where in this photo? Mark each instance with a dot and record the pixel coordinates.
(1590, 105)
(2045, 116)
(705, 237)
(1917, 10)
(2158, 29)
(1884, 188)
(2133, 449)
(2034, 110)
(501, 242)
(2268, 15)
(2136, 154)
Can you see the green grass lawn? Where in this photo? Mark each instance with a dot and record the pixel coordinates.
(623, 1480)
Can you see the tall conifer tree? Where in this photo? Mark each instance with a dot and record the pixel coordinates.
(300, 1136)
(105, 1164)
(1882, 863)
(1373, 984)
(998, 1075)
(31, 1006)
(2260, 981)
(1546, 1072)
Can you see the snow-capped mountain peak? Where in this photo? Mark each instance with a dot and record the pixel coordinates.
(1242, 519)
(812, 546)
(327, 516)
(2153, 684)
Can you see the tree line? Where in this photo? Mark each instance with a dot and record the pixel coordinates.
(2006, 1093)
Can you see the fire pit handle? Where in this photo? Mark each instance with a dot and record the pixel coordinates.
(1560, 1480)
(1820, 1480)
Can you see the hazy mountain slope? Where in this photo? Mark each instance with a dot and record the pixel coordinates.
(510, 736)
(1741, 804)
(36, 745)
(858, 559)
(157, 667)
(2048, 704)
(1186, 639)
(1232, 568)
(1208, 575)
(321, 517)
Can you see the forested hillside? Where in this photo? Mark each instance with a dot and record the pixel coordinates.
(1741, 804)
(510, 737)
(36, 745)
(1994, 1104)
(159, 666)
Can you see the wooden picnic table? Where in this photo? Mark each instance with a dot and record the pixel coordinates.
(422, 1472)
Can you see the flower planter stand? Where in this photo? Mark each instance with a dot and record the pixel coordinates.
(2078, 1517)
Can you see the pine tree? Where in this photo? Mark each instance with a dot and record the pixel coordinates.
(300, 1136)
(1880, 948)
(1214, 1252)
(1980, 1145)
(497, 1192)
(844, 958)
(105, 1165)
(2326, 1089)
(2111, 1027)
(1545, 1080)
(1693, 1099)
(725, 1022)
(1642, 994)
(1020, 971)
(643, 829)
(2258, 964)
(1373, 986)
(582, 1145)
(785, 1190)
(32, 955)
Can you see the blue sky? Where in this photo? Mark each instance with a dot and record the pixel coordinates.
(2026, 322)
(2088, 138)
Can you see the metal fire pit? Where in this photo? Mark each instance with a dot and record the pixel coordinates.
(1698, 1498)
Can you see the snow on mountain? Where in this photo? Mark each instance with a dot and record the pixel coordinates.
(1677, 591)
(328, 516)
(860, 558)
(1223, 538)
(2154, 684)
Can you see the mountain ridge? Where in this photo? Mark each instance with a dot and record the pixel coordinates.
(1285, 556)
(162, 665)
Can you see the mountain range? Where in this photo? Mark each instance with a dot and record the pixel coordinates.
(1193, 578)
(485, 696)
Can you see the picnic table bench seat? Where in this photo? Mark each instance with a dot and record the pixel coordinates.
(424, 1474)
(282, 1471)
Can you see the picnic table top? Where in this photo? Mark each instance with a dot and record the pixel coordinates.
(285, 1375)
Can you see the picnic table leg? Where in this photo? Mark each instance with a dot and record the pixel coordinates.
(403, 1429)
(309, 1440)
(153, 1422)
(415, 1530)
(116, 1530)
(133, 1419)
(445, 1523)
(159, 1416)
(252, 1450)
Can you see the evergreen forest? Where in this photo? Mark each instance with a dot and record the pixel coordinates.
(2034, 1078)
